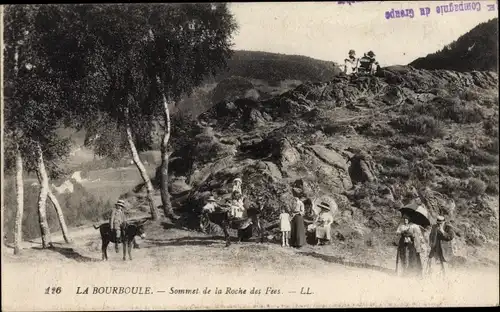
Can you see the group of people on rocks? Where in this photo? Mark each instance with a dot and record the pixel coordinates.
(366, 64)
(291, 221)
(411, 245)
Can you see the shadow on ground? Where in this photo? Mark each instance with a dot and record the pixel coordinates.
(184, 241)
(69, 253)
(339, 260)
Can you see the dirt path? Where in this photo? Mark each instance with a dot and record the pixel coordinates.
(172, 257)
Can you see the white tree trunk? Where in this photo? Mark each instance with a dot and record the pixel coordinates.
(165, 195)
(60, 216)
(42, 199)
(143, 173)
(18, 233)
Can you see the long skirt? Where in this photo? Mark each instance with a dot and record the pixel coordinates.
(408, 260)
(297, 231)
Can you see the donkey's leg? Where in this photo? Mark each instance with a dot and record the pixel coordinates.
(104, 249)
(225, 226)
(124, 246)
(259, 228)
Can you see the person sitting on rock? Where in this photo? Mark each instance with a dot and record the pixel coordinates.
(323, 225)
(351, 63)
(211, 205)
(368, 63)
(237, 186)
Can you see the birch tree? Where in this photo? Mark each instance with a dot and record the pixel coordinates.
(142, 59)
(33, 109)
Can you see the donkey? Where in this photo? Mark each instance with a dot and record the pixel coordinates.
(223, 219)
(129, 232)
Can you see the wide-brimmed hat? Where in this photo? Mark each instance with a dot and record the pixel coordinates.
(370, 54)
(211, 199)
(352, 52)
(440, 219)
(120, 203)
(238, 180)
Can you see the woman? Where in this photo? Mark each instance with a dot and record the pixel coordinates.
(408, 261)
(297, 231)
(323, 225)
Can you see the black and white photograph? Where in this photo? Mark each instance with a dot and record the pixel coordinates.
(249, 155)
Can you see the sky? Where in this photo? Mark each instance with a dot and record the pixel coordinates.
(327, 30)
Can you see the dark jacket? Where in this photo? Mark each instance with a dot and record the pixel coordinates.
(440, 243)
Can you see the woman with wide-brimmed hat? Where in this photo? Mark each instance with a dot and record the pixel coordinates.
(408, 261)
(323, 224)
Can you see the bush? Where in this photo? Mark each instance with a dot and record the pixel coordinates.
(476, 155)
(419, 125)
(453, 158)
(392, 160)
(450, 187)
(476, 187)
(450, 109)
(490, 127)
(402, 172)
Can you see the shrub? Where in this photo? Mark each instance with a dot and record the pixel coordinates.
(476, 155)
(492, 188)
(418, 124)
(450, 109)
(476, 187)
(453, 158)
(490, 127)
(402, 172)
(450, 187)
(392, 160)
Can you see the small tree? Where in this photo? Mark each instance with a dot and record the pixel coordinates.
(139, 60)
(32, 109)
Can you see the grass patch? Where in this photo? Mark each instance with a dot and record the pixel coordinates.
(450, 109)
(78, 208)
(416, 124)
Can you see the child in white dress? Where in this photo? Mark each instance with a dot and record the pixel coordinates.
(285, 227)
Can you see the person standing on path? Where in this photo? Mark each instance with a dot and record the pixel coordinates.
(440, 239)
(297, 230)
(285, 227)
(409, 248)
(118, 221)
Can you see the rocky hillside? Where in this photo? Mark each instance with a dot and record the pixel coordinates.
(373, 143)
(475, 50)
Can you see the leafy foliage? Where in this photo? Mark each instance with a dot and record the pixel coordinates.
(34, 101)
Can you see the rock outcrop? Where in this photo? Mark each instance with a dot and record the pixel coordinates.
(373, 143)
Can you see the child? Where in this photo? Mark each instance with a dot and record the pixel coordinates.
(237, 206)
(284, 227)
(118, 221)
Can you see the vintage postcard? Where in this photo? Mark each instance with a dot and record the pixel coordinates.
(175, 156)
